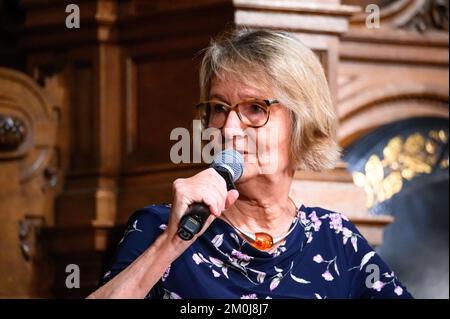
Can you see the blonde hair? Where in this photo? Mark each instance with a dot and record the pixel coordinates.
(278, 60)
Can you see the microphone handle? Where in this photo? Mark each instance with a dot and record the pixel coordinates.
(197, 214)
(194, 219)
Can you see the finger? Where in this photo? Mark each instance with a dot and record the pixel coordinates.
(179, 206)
(218, 180)
(213, 203)
(206, 226)
(232, 196)
(221, 195)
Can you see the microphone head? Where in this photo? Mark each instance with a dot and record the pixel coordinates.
(232, 161)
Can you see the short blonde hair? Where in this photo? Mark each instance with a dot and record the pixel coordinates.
(280, 61)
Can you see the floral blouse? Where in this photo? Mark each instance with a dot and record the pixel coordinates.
(325, 256)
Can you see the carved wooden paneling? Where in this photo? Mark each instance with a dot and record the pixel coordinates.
(415, 15)
(393, 72)
(317, 24)
(388, 76)
(130, 78)
(156, 107)
(29, 170)
(83, 117)
(12, 133)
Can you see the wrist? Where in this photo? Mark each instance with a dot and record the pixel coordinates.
(173, 243)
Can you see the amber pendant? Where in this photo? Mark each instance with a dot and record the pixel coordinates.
(263, 241)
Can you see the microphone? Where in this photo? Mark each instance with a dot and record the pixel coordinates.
(230, 165)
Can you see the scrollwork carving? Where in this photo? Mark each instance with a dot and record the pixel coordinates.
(432, 16)
(413, 15)
(402, 160)
(29, 229)
(12, 133)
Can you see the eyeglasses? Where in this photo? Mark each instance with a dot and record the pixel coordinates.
(252, 112)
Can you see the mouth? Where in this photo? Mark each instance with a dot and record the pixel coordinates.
(244, 152)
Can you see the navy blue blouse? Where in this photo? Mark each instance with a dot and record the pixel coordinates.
(325, 256)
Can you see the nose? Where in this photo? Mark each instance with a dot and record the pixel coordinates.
(233, 127)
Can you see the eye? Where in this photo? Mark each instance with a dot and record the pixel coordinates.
(218, 108)
(257, 109)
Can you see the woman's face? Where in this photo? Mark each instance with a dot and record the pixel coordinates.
(266, 150)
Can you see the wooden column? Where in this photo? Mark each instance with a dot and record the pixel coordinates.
(319, 24)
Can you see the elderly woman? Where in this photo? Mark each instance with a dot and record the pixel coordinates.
(256, 242)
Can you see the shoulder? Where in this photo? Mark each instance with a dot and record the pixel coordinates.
(334, 226)
(334, 220)
(142, 229)
(145, 224)
(152, 214)
(334, 235)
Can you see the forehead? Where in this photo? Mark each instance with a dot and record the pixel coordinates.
(231, 87)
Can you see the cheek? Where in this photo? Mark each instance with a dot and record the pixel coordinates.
(275, 139)
(285, 136)
(273, 145)
(285, 141)
(251, 169)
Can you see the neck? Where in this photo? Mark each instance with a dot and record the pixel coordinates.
(263, 205)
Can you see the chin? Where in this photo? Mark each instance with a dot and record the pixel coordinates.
(250, 171)
(254, 170)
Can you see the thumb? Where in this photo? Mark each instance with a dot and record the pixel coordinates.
(232, 196)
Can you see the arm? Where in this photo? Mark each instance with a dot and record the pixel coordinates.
(370, 276)
(143, 273)
(143, 256)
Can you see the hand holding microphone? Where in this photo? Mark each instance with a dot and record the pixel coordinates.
(229, 165)
(208, 193)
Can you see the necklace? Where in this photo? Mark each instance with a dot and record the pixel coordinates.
(262, 240)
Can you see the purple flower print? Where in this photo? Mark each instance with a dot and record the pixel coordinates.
(170, 295)
(240, 255)
(317, 222)
(398, 290)
(327, 276)
(166, 274)
(197, 259)
(378, 285)
(303, 218)
(318, 258)
(347, 234)
(336, 222)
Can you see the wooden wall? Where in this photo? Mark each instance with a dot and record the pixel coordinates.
(111, 92)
